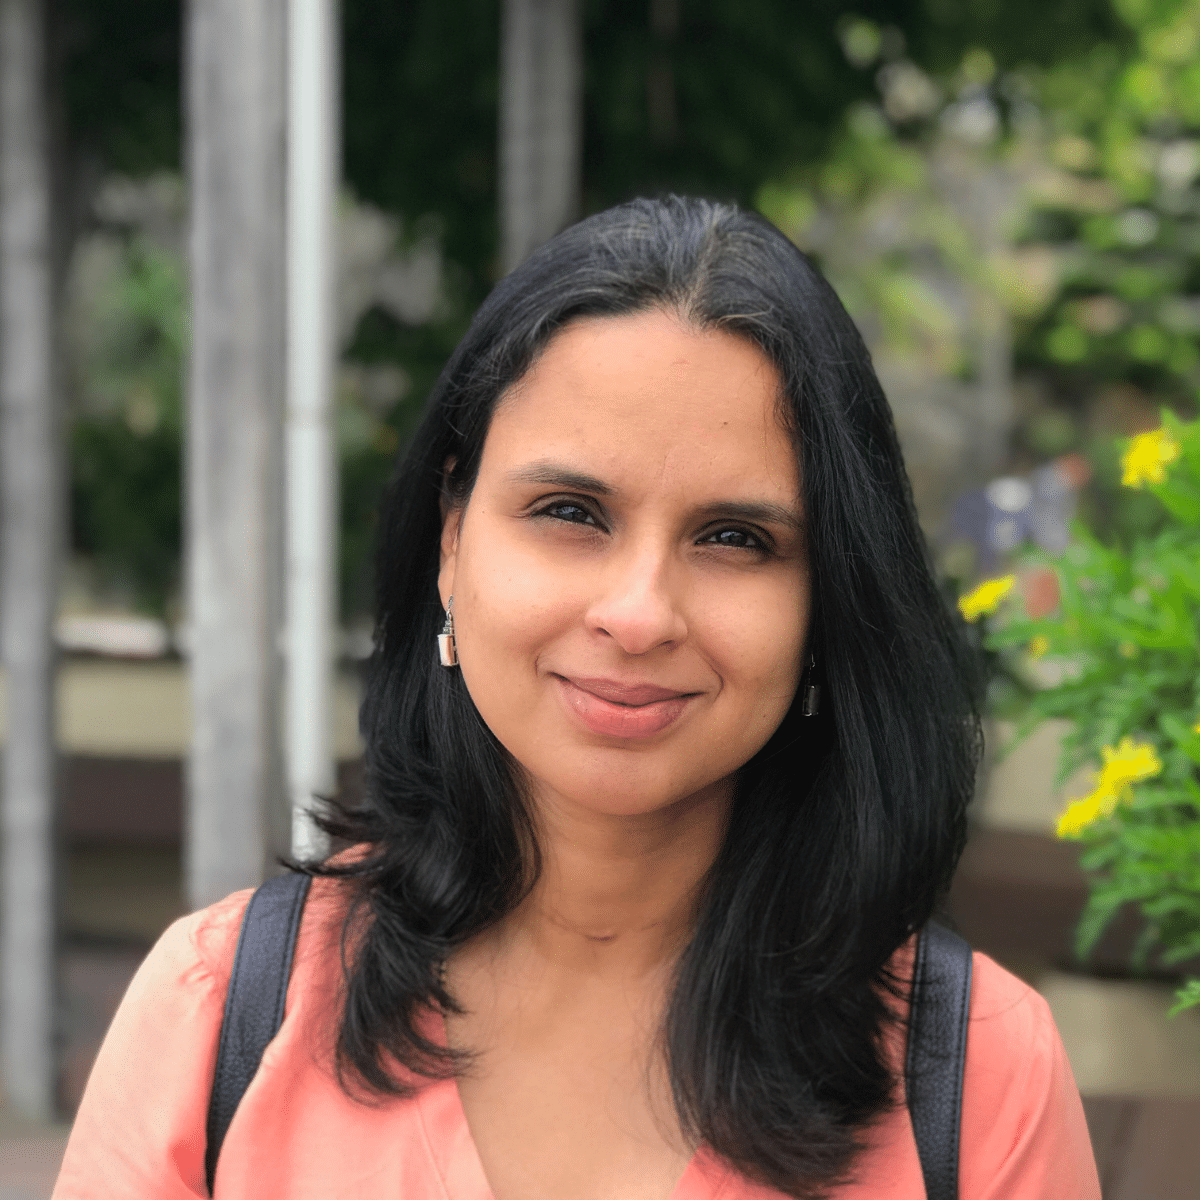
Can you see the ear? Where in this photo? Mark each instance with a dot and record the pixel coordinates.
(451, 522)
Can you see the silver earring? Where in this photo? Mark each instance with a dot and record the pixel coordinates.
(812, 693)
(447, 648)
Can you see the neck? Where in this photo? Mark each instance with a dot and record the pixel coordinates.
(619, 892)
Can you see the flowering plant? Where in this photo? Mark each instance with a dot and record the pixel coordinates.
(1124, 646)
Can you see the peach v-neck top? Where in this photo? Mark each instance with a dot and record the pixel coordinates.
(140, 1130)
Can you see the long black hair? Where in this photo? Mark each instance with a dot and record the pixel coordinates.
(845, 827)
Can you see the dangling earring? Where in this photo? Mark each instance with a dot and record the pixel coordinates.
(812, 693)
(447, 648)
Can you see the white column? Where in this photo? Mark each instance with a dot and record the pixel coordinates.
(32, 510)
(238, 814)
(541, 122)
(311, 490)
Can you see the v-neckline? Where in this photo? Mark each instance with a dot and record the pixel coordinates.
(459, 1168)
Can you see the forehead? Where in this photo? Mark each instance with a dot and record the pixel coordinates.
(646, 397)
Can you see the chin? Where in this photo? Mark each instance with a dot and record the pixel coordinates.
(637, 790)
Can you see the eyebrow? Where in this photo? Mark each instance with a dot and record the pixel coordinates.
(760, 511)
(554, 474)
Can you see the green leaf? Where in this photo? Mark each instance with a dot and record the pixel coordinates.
(1186, 997)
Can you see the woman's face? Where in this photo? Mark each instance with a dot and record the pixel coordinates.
(631, 588)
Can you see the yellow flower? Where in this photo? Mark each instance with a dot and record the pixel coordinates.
(1080, 814)
(1196, 727)
(1146, 458)
(1039, 645)
(1127, 763)
(986, 597)
(1127, 650)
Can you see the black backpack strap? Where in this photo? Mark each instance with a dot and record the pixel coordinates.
(937, 1053)
(254, 1003)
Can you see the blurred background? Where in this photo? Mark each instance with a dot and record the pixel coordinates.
(238, 240)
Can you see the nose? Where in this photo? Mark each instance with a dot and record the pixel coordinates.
(637, 606)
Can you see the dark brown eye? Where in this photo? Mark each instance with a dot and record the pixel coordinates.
(739, 539)
(573, 514)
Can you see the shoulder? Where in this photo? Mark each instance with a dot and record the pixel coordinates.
(190, 963)
(206, 939)
(141, 1123)
(996, 991)
(183, 981)
(202, 946)
(187, 971)
(1023, 1128)
(1011, 1031)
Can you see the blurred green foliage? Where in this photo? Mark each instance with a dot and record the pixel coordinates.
(715, 96)
(1123, 215)
(1045, 217)
(1125, 646)
(125, 439)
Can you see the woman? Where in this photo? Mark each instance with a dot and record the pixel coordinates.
(621, 920)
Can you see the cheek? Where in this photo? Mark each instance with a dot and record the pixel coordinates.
(759, 644)
(509, 603)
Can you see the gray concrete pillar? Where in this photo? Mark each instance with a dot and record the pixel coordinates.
(238, 818)
(541, 122)
(30, 548)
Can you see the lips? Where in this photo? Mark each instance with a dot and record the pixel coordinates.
(634, 694)
(624, 710)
